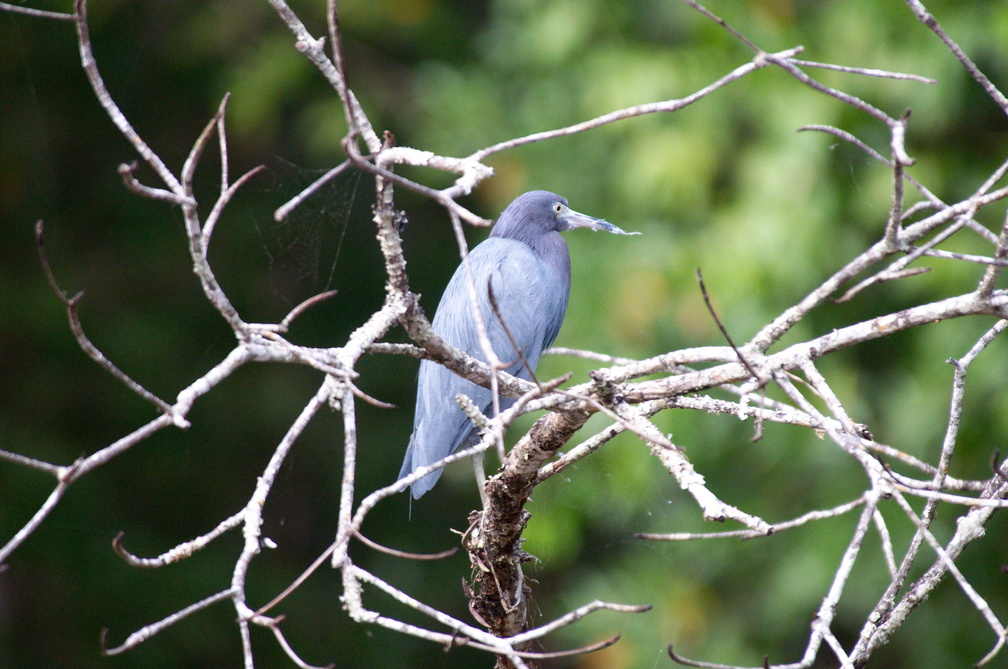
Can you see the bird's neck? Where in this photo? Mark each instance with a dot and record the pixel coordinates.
(549, 246)
(552, 248)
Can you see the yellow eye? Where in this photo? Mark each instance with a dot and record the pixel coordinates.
(557, 208)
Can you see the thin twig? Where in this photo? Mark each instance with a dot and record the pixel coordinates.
(285, 209)
(507, 331)
(990, 277)
(224, 199)
(17, 458)
(404, 554)
(932, 199)
(724, 24)
(574, 616)
(105, 100)
(296, 583)
(801, 520)
(631, 112)
(181, 551)
(36, 13)
(89, 348)
(925, 17)
(146, 632)
(865, 71)
(899, 161)
(724, 331)
(274, 626)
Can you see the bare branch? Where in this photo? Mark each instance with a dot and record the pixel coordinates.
(801, 520)
(865, 71)
(284, 210)
(574, 616)
(148, 631)
(90, 349)
(36, 13)
(105, 100)
(25, 461)
(724, 24)
(995, 269)
(631, 112)
(274, 626)
(925, 17)
(932, 199)
(181, 551)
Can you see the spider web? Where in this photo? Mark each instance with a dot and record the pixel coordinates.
(303, 250)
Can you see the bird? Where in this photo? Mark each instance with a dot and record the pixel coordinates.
(526, 265)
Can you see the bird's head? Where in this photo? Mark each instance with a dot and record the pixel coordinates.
(540, 212)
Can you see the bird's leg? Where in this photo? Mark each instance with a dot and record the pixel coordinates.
(477, 461)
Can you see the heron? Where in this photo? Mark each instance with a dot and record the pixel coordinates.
(526, 266)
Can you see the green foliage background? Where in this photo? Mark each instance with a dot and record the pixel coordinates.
(726, 185)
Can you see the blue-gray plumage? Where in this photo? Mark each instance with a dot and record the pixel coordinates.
(527, 265)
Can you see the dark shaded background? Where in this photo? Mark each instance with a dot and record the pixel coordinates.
(725, 185)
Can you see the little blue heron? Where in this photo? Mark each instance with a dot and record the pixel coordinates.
(525, 262)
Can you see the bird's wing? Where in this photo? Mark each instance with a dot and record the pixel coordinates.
(520, 286)
(524, 295)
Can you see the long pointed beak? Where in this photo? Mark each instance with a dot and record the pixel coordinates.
(573, 219)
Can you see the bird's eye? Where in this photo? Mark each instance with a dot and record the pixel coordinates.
(557, 208)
